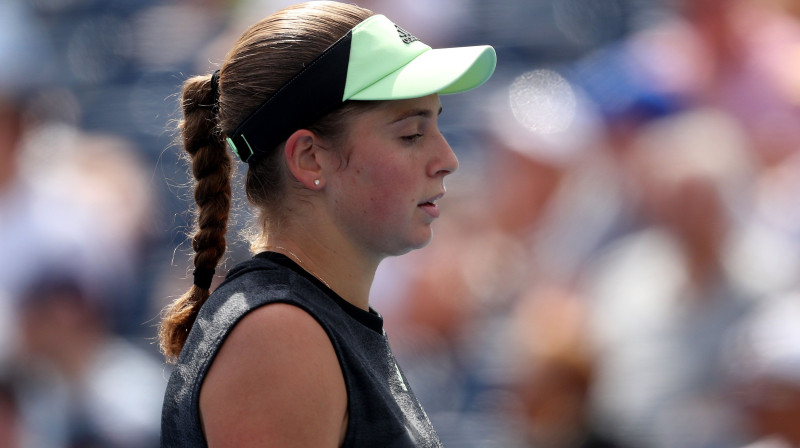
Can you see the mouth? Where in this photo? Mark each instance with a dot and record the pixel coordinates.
(432, 201)
(430, 207)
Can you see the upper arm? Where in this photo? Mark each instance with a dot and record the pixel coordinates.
(276, 382)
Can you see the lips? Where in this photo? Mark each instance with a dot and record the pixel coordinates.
(430, 207)
(432, 200)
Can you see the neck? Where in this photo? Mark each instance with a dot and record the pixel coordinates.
(342, 269)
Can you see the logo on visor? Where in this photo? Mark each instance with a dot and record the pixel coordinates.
(405, 35)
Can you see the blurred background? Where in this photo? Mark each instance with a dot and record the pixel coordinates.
(616, 265)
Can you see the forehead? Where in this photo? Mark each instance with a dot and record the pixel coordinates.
(393, 111)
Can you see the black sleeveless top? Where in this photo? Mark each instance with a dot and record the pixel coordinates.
(383, 411)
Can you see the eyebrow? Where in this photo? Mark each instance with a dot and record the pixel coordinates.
(425, 113)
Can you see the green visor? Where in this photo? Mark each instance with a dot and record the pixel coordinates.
(376, 60)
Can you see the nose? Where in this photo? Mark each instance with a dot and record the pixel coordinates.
(445, 160)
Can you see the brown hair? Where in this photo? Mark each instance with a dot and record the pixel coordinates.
(265, 57)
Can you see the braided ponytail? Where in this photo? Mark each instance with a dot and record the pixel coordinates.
(212, 171)
(266, 56)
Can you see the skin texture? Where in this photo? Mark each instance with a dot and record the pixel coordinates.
(398, 160)
(276, 381)
(367, 205)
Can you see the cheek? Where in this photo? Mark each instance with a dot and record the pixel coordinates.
(382, 190)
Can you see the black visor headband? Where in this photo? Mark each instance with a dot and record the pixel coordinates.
(312, 93)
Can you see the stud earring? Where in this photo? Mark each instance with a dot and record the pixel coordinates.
(316, 182)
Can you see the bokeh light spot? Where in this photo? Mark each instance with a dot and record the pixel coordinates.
(543, 101)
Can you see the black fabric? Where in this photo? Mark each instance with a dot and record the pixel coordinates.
(382, 409)
(311, 94)
(370, 319)
(203, 277)
(214, 85)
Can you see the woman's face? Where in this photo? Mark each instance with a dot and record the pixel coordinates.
(384, 198)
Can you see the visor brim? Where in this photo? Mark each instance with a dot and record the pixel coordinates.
(443, 71)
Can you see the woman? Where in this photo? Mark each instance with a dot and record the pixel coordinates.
(335, 110)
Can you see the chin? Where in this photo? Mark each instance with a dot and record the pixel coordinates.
(410, 245)
(419, 244)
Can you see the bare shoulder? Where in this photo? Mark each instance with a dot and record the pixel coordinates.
(275, 382)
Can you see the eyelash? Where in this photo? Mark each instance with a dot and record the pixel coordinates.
(411, 138)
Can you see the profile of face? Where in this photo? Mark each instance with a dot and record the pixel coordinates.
(384, 197)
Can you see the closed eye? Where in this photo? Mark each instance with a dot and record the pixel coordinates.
(411, 138)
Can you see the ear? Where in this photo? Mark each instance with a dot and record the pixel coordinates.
(303, 158)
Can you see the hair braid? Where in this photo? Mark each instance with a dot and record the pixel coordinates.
(266, 56)
(212, 169)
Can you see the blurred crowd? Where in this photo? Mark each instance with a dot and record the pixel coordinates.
(616, 264)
